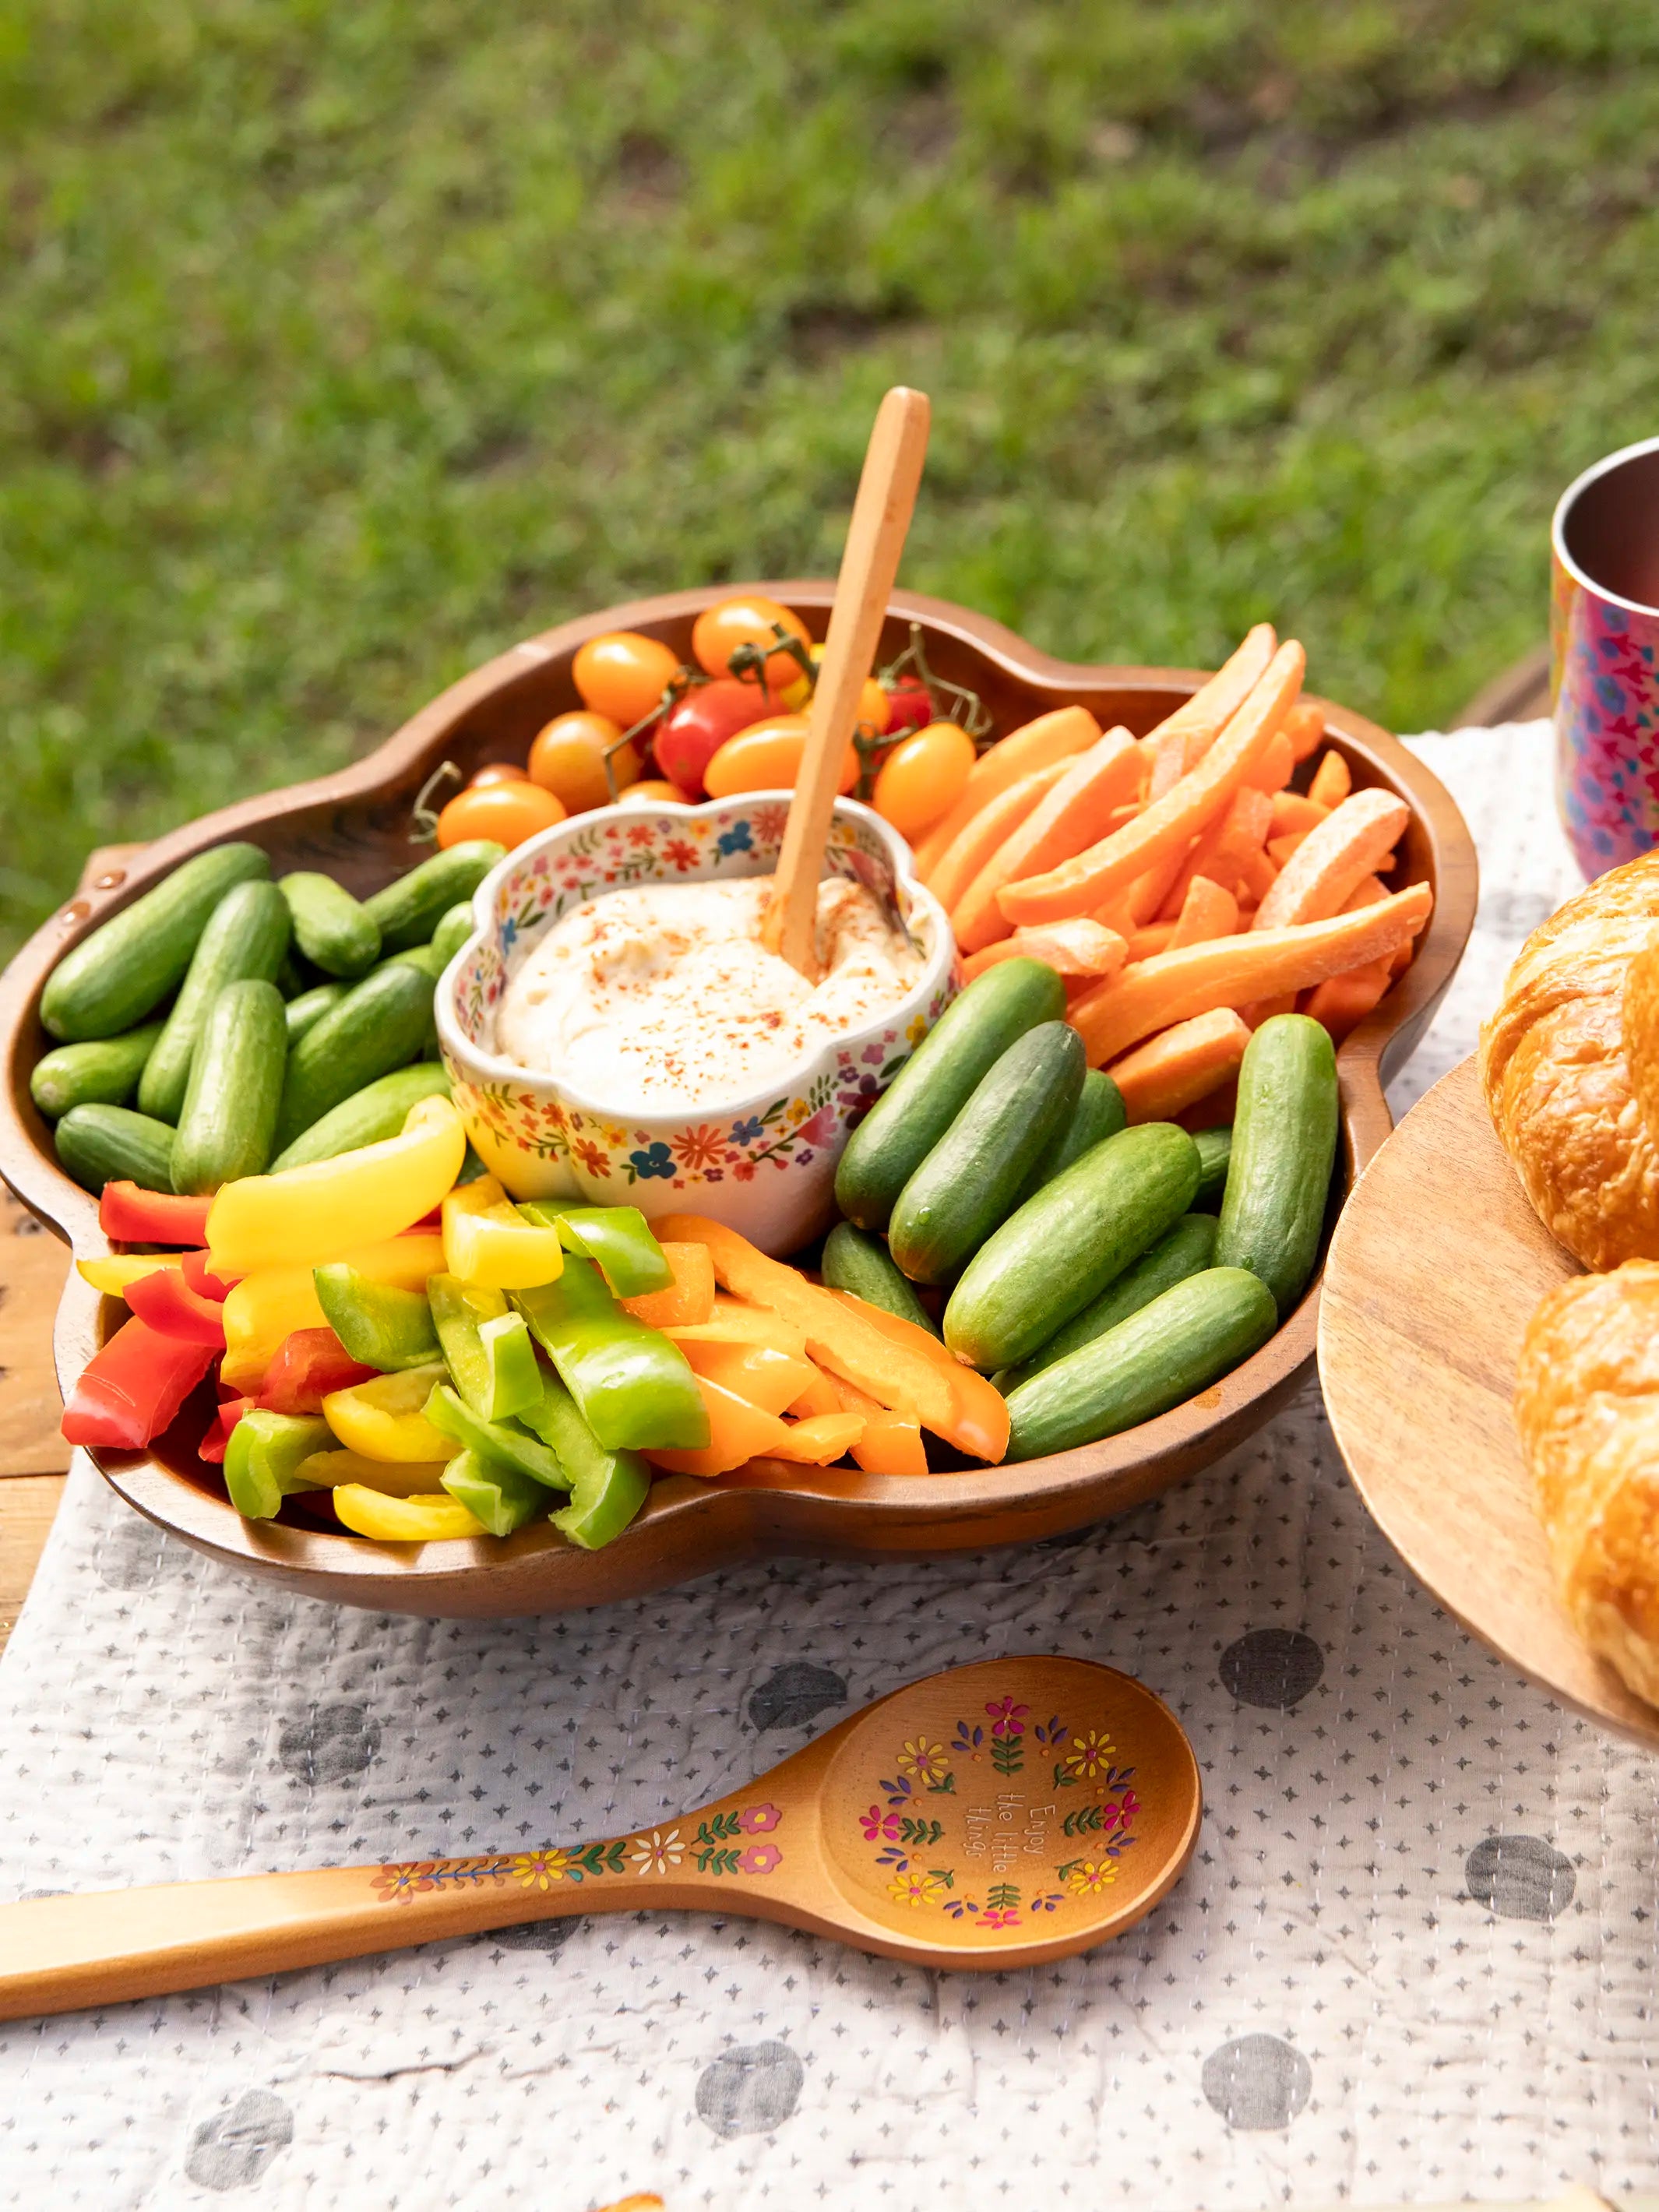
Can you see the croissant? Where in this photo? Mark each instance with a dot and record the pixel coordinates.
(1557, 1078)
(1586, 1407)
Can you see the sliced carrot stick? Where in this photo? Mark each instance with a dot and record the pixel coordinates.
(1079, 885)
(1155, 938)
(1076, 812)
(1263, 1009)
(1079, 947)
(1128, 812)
(1332, 779)
(1180, 1065)
(1182, 739)
(1207, 911)
(1225, 850)
(1366, 892)
(1344, 849)
(1221, 1106)
(1292, 812)
(1052, 737)
(978, 840)
(1281, 850)
(1342, 1002)
(1305, 726)
(1276, 766)
(1232, 971)
(1134, 908)
(1256, 877)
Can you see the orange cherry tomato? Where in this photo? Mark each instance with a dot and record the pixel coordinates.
(508, 812)
(719, 630)
(874, 707)
(497, 772)
(766, 757)
(653, 791)
(568, 759)
(623, 675)
(923, 777)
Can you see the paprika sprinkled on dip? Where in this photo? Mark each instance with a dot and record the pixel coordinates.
(662, 996)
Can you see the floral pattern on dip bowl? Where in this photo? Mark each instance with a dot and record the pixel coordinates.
(764, 1164)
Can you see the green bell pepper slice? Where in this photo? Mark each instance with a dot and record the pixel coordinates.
(499, 1497)
(263, 1454)
(502, 1443)
(616, 1238)
(459, 1311)
(379, 1324)
(607, 1488)
(515, 1374)
(633, 1387)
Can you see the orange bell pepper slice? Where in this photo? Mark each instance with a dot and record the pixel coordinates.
(690, 1298)
(738, 1432)
(757, 1373)
(891, 1443)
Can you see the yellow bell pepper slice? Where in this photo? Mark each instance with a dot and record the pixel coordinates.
(338, 1470)
(111, 1275)
(310, 1216)
(424, 1520)
(272, 1302)
(489, 1244)
(382, 1419)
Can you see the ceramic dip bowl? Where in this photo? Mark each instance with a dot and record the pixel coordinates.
(764, 1164)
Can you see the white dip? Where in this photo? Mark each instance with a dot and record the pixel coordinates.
(662, 997)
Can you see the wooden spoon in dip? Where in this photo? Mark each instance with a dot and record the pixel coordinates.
(875, 538)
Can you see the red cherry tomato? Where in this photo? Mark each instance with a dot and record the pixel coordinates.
(497, 772)
(768, 758)
(909, 706)
(508, 812)
(719, 630)
(623, 675)
(921, 780)
(693, 731)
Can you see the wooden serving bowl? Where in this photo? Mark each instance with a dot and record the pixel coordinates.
(355, 826)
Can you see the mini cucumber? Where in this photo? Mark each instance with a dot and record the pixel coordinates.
(377, 1026)
(1063, 1246)
(244, 938)
(452, 934)
(119, 973)
(1184, 1340)
(235, 1084)
(331, 928)
(423, 957)
(305, 1012)
(379, 1110)
(1278, 1175)
(103, 1072)
(937, 1082)
(408, 911)
(98, 1144)
(971, 1180)
(1098, 1114)
(1188, 1249)
(862, 1264)
(1215, 1148)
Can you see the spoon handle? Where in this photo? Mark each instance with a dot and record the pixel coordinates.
(875, 538)
(60, 1954)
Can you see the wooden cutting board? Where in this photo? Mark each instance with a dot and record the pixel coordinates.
(1437, 1266)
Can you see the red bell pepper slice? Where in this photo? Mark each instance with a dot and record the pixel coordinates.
(194, 1268)
(167, 1303)
(212, 1446)
(131, 1391)
(130, 1215)
(308, 1365)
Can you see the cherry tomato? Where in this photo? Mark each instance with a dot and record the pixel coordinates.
(921, 779)
(497, 772)
(653, 791)
(909, 706)
(768, 758)
(719, 630)
(508, 812)
(693, 731)
(568, 759)
(623, 675)
(874, 714)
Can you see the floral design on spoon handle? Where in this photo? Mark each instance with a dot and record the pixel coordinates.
(717, 1846)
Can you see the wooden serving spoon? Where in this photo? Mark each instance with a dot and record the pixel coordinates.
(994, 1816)
(875, 539)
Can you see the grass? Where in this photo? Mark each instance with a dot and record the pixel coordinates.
(340, 347)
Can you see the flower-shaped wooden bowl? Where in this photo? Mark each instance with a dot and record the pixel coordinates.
(357, 826)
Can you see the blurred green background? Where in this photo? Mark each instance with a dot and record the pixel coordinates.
(340, 347)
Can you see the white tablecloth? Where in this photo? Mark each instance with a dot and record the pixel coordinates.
(1413, 1959)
